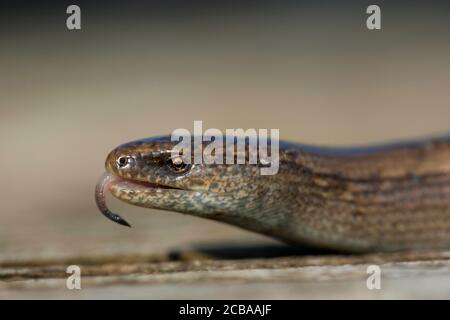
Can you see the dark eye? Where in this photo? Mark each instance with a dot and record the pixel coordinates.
(177, 165)
(123, 161)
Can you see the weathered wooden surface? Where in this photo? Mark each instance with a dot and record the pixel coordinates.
(228, 273)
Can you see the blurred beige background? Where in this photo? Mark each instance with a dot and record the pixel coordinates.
(314, 71)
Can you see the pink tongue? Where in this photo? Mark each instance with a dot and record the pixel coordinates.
(103, 184)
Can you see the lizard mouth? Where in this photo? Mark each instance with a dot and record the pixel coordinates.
(109, 181)
(139, 183)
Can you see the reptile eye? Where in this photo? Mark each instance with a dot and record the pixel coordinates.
(122, 161)
(177, 165)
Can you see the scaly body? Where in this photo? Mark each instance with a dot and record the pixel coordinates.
(382, 198)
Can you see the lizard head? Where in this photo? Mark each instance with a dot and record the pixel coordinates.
(146, 173)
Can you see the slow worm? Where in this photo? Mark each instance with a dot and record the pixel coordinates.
(387, 197)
